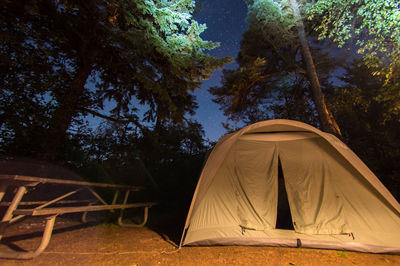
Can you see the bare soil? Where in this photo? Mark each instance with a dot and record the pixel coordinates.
(107, 244)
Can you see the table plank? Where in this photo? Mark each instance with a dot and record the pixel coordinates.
(62, 210)
(19, 179)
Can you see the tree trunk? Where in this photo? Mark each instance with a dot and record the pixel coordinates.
(67, 108)
(325, 116)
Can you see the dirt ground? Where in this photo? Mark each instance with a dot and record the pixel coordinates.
(107, 244)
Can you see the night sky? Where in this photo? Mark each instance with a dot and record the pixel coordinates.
(225, 21)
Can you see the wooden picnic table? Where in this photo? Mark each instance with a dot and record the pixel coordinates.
(22, 185)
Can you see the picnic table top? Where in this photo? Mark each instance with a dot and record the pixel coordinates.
(33, 181)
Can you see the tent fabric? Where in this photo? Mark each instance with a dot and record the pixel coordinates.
(335, 200)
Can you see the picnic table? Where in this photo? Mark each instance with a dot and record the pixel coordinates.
(20, 185)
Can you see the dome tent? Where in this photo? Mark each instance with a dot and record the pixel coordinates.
(335, 201)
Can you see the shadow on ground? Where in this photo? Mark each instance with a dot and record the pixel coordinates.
(168, 221)
(9, 240)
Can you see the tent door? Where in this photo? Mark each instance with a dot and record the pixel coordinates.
(284, 217)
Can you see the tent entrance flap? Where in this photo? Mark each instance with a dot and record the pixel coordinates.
(284, 217)
(311, 180)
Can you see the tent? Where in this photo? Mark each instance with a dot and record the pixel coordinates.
(334, 200)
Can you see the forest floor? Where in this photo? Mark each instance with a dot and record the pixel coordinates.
(97, 243)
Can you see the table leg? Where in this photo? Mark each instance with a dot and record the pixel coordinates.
(84, 215)
(26, 255)
(3, 189)
(13, 206)
(145, 217)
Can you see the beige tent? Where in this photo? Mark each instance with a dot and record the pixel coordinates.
(335, 201)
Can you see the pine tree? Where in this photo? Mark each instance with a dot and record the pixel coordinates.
(62, 60)
(279, 27)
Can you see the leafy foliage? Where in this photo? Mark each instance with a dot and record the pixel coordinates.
(62, 60)
(371, 125)
(374, 26)
(167, 159)
(344, 20)
(276, 18)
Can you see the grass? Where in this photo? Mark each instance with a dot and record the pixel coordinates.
(108, 225)
(342, 254)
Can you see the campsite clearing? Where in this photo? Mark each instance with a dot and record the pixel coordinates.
(105, 244)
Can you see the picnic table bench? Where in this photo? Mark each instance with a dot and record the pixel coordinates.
(22, 183)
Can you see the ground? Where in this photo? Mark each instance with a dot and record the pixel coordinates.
(107, 244)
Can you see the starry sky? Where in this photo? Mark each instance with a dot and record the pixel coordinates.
(225, 20)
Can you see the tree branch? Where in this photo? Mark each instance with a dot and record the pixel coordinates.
(120, 121)
(289, 64)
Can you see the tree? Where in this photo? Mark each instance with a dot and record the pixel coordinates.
(167, 157)
(270, 51)
(370, 123)
(371, 26)
(326, 118)
(283, 23)
(62, 60)
(374, 26)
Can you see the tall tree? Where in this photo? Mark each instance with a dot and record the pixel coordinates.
(326, 118)
(270, 51)
(66, 58)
